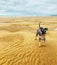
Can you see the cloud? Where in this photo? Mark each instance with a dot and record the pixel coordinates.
(28, 7)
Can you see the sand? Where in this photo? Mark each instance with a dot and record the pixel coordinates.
(19, 47)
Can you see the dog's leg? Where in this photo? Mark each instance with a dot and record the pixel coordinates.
(39, 39)
(44, 39)
(39, 42)
(36, 36)
(44, 42)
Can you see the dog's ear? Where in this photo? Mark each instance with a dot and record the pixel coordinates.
(46, 29)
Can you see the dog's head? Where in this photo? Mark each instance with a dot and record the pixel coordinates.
(45, 29)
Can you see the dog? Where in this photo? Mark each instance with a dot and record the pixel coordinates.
(41, 32)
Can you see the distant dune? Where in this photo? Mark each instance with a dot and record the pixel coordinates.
(18, 45)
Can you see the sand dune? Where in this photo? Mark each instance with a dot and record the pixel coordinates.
(19, 47)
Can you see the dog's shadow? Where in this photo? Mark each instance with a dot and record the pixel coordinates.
(43, 46)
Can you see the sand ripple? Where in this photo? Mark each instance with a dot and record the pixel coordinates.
(22, 49)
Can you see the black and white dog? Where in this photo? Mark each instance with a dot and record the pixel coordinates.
(41, 33)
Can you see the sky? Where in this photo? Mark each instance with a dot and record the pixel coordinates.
(28, 7)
